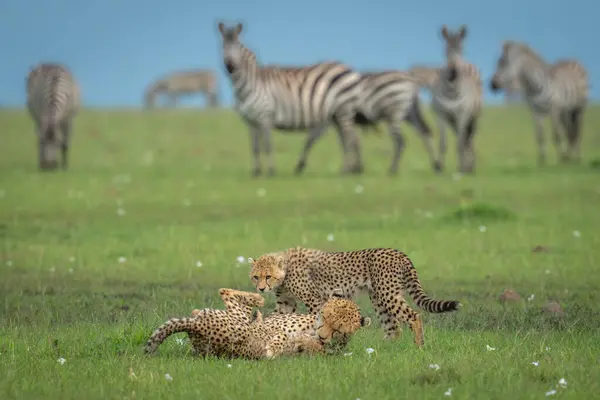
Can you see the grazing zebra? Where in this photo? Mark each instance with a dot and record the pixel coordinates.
(292, 98)
(457, 99)
(393, 96)
(53, 100)
(184, 83)
(559, 90)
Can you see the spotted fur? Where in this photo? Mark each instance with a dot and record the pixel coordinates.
(313, 276)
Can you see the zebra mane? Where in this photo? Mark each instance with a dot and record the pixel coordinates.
(526, 50)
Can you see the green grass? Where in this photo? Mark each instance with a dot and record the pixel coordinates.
(183, 180)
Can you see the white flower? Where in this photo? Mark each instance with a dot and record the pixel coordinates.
(482, 228)
(52, 269)
(428, 214)
(370, 350)
(562, 383)
(347, 354)
(120, 212)
(61, 361)
(434, 366)
(576, 233)
(457, 176)
(330, 237)
(530, 298)
(199, 264)
(547, 272)
(359, 189)
(547, 348)
(187, 202)
(122, 260)
(241, 259)
(180, 341)
(168, 377)
(448, 392)
(551, 392)
(535, 363)
(228, 365)
(489, 348)
(9, 263)
(261, 192)
(71, 270)
(72, 259)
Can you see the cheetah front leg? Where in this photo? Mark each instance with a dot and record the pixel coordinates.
(286, 302)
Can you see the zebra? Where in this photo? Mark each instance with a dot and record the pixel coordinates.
(184, 83)
(457, 99)
(53, 100)
(558, 90)
(292, 98)
(393, 96)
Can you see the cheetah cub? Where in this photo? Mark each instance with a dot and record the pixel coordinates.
(312, 276)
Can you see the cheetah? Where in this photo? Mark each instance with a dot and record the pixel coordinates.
(223, 333)
(333, 326)
(230, 333)
(311, 275)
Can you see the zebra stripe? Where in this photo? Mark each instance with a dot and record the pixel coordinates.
(184, 83)
(457, 99)
(558, 90)
(393, 96)
(53, 100)
(292, 98)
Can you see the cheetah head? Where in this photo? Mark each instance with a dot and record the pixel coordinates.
(267, 272)
(338, 320)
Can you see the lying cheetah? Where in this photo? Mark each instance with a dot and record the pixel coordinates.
(229, 333)
(223, 333)
(312, 275)
(333, 326)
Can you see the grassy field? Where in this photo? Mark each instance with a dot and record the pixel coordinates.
(148, 223)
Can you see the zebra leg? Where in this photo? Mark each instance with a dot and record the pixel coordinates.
(313, 136)
(469, 148)
(539, 135)
(415, 118)
(557, 121)
(265, 133)
(41, 152)
(576, 117)
(443, 145)
(255, 139)
(399, 144)
(350, 144)
(65, 127)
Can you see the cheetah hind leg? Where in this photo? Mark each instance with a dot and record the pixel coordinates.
(387, 320)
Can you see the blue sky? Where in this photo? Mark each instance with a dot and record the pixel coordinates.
(116, 47)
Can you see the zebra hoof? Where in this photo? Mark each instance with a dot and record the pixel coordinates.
(437, 167)
(357, 169)
(256, 172)
(300, 168)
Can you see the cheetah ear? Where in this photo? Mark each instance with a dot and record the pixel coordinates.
(365, 321)
(250, 260)
(258, 317)
(462, 31)
(337, 293)
(444, 31)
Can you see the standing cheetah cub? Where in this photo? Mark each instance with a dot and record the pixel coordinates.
(312, 276)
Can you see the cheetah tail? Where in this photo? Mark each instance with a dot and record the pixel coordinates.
(174, 325)
(421, 299)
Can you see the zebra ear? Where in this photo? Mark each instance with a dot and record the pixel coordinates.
(463, 31)
(506, 46)
(444, 31)
(221, 27)
(238, 28)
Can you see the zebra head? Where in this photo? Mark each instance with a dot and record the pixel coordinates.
(507, 67)
(454, 48)
(232, 47)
